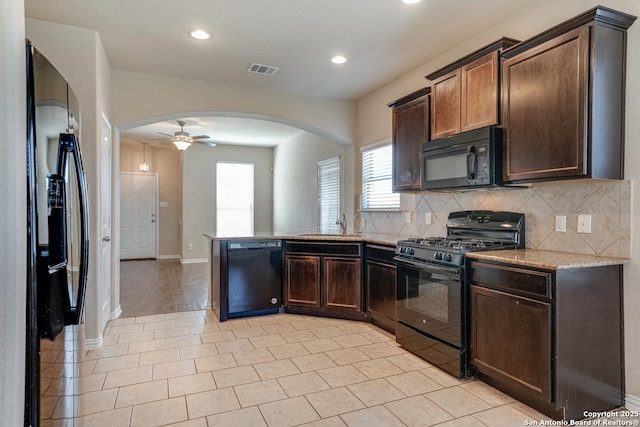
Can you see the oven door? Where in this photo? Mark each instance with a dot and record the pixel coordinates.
(429, 300)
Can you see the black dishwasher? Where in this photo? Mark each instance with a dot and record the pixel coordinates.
(254, 278)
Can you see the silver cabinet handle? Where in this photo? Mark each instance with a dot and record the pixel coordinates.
(106, 239)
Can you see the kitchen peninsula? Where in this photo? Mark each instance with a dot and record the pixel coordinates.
(321, 274)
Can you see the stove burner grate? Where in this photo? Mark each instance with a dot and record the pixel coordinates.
(455, 243)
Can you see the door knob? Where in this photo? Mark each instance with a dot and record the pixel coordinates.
(153, 220)
(106, 239)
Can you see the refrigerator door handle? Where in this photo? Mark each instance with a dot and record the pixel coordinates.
(68, 145)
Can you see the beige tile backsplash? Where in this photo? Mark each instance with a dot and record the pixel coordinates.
(607, 201)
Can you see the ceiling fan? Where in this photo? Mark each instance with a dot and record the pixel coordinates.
(183, 140)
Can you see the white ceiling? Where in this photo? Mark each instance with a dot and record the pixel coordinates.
(222, 130)
(382, 39)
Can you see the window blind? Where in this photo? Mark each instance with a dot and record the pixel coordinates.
(376, 179)
(329, 195)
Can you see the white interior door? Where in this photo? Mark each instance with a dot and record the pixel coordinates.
(138, 219)
(105, 222)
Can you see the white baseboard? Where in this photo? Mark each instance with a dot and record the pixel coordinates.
(93, 343)
(168, 257)
(632, 403)
(194, 260)
(116, 313)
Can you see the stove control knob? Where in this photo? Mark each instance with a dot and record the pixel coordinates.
(411, 251)
(438, 255)
(448, 258)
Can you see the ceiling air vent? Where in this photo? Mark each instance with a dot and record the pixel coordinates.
(266, 70)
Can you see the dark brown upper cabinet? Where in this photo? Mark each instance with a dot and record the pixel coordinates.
(465, 95)
(410, 128)
(563, 100)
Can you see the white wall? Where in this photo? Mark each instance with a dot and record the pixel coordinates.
(374, 124)
(139, 97)
(13, 215)
(295, 180)
(79, 56)
(199, 192)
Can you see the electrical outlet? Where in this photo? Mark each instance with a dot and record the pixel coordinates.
(189, 247)
(561, 223)
(407, 217)
(584, 223)
(427, 218)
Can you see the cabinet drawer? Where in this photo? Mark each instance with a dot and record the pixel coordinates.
(511, 278)
(329, 248)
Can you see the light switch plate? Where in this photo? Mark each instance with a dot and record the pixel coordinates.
(427, 218)
(561, 223)
(584, 223)
(407, 217)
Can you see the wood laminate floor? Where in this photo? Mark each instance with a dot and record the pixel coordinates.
(162, 286)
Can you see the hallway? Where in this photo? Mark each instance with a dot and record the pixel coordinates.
(150, 287)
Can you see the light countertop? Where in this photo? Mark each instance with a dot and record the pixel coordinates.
(550, 260)
(380, 239)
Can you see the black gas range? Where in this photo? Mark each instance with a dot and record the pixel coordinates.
(432, 297)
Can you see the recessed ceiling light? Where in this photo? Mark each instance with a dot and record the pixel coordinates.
(338, 59)
(200, 35)
(411, 1)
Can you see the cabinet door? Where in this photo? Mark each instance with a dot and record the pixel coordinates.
(479, 80)
(445, 105)
(342, 284)
(410, 129)
(545, 105)
(381, 290)
(302, 280)
(511, 340)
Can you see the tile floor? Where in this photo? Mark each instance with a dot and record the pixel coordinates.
(187, 369)
(162, 286)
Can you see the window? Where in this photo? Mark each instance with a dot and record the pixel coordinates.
(376, 179)
(329, 195)
(234, 199)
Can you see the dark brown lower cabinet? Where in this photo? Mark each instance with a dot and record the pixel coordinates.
(525, 356)
(380, 285)
(342, 283)
(302, 280)
(551, 338)
(324, 279)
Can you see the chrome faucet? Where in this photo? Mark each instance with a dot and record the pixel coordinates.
(343, 224)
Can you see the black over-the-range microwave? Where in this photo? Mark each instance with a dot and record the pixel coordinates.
(470, 159)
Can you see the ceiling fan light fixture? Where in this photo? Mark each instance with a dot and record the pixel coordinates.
(200, 35)
(182, 144)
(411, 1)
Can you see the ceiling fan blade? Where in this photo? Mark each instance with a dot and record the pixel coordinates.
(209, 143)
(201, 137)
(165, 134)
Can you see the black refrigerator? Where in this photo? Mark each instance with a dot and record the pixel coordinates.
(57, 223)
